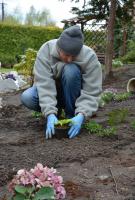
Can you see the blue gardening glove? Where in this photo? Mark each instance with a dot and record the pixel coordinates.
(51, 121)
(76, 123)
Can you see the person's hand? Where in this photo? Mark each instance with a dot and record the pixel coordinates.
(51, 121)
(76, 123)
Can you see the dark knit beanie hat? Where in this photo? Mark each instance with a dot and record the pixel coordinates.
(71, 40)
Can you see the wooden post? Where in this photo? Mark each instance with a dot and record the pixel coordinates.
(110, 40)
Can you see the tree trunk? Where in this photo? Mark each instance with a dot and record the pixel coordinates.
(124, 41)
(110, 40)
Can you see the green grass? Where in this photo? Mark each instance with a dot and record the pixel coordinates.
(5, 70)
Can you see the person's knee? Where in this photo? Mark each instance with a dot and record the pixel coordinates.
(71, 72)
(26, 98)
(30, 99)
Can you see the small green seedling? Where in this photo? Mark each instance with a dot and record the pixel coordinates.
(106, 98)
(36, 114)
(117, 116)
(63, 122)
(95, 128)
(107, 132)
(122, 96)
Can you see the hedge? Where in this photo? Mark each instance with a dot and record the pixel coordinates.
(14, 40)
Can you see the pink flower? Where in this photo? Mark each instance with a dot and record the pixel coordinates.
(37, 171)
(110, 90)
(39, 177)
(40, 166)
(60, 192)
(21, 172)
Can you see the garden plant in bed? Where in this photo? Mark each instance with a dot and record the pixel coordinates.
(61, 128)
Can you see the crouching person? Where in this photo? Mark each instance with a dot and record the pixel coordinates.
(67, 75)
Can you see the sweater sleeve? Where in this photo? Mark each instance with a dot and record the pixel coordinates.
(88, 101)
(44, 81)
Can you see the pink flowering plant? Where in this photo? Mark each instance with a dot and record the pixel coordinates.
(112, 94)
(40, 183)
(107, 96)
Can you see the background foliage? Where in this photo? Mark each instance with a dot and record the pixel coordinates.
(25, 66)
(130, 56)
(14, 40)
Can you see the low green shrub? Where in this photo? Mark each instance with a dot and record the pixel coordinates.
(26, 65)
(117, 63)
(130, 56)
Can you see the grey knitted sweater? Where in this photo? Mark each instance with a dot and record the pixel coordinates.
(48, 67)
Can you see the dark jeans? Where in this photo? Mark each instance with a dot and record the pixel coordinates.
(68, 90)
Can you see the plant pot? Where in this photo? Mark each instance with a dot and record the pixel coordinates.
(61, 132)
(131, 85)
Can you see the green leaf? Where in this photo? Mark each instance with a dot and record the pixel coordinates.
(63, 122)
(30, 189)
(45, 193)
(20, 189)
(19, 197)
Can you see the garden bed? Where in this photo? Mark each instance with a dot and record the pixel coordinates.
(93, 167)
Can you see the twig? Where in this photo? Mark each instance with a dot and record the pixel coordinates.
(116, 186)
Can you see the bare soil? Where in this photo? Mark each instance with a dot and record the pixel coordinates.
(93, 167)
